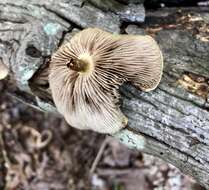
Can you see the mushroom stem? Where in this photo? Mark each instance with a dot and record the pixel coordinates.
(83, 64)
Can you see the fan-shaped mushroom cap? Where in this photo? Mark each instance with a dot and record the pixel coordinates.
(85, 75)
(141, 60)
(4, 71)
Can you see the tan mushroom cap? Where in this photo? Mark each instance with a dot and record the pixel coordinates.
(141, 59)
(85, 75)
(4, 71)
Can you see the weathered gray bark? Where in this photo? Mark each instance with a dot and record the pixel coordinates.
(171, 122)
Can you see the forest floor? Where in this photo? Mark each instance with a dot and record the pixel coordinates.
(39, 151)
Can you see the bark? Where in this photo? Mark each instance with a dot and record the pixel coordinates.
(171, 122)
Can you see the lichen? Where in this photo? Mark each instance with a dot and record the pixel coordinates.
(35, 11)
(132, 140)
(51, 28)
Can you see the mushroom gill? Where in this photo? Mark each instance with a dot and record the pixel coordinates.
(85, 75)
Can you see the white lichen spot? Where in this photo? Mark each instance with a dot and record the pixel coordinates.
(132, 140)
(51, 28)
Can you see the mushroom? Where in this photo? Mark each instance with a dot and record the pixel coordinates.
(4, 71)
(86, 73)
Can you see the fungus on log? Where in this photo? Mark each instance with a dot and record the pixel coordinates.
(171, 122)
(85, 75)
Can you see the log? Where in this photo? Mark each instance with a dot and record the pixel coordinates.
(172, 122)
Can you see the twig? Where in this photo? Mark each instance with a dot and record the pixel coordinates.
(99, 155)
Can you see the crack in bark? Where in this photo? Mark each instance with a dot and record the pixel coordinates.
(157, 141)
(184, 99)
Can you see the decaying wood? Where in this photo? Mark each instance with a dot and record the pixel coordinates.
(171, 122)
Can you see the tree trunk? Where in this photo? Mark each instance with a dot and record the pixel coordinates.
(172, 122)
